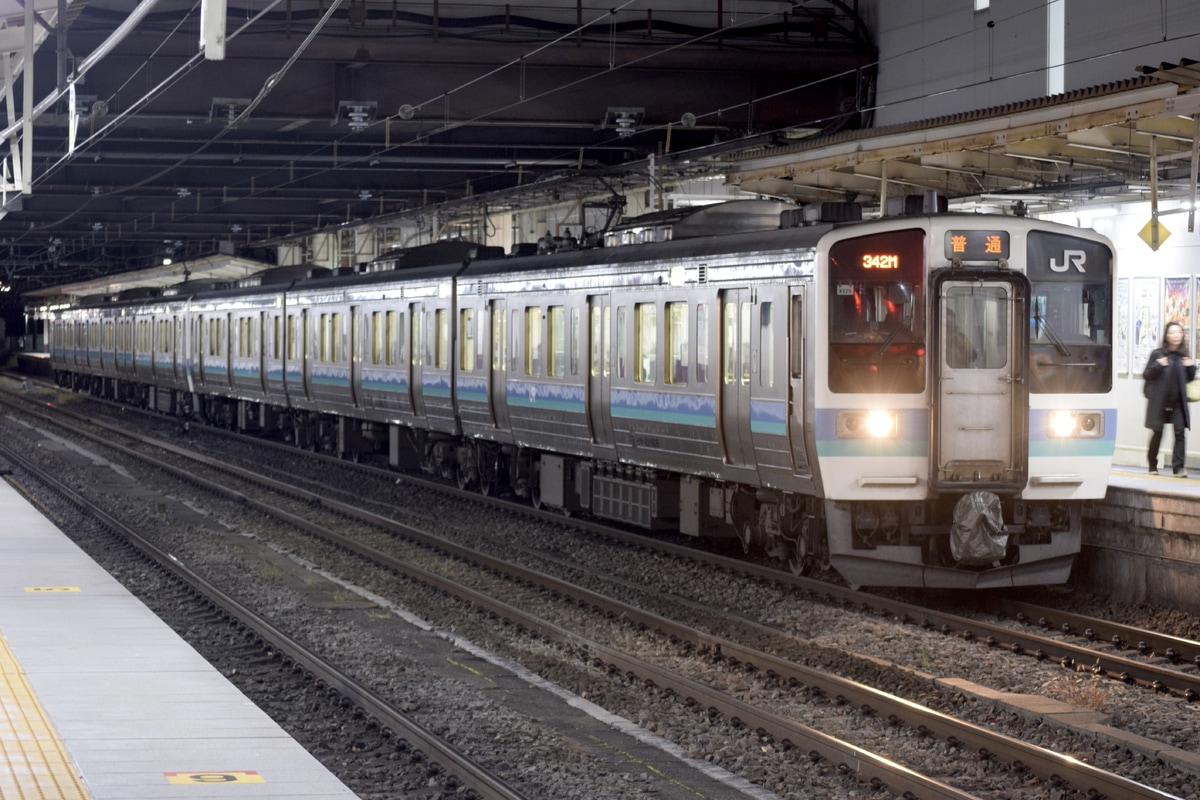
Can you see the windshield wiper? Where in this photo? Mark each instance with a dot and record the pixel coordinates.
(1059, 344)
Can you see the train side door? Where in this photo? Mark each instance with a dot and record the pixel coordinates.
(416, 357)
(797, 374)
(498, 358)
(599, 383)
(980, 409)
(735, 347)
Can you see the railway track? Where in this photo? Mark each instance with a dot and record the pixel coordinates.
(295, 656)
(982, 743)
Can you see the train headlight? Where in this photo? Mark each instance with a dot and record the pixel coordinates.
(875, 423)
(1075, 424)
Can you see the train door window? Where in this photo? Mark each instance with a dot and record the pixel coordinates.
(251, 338)
(595, 349)
(701, 343)
(292, 337)
(622, 342)
(336, 337)
(766, 345)
(499, 338)
(323, 340)
(796, 338)
(730, 339)
(557, 334)
(466, 339)
(480, 341)
(514, 351)
(677, 343)
(573, 345)
(391, 345)
(441, 345)
(415, 340)
(745, 329)
(533, 341)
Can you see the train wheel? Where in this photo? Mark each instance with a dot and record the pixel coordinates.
(489, 470)
(800, 561)
(747, 536)
(535, 497)
(463, 477)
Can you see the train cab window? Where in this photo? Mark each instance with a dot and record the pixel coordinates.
(556, 324)
(766, 347)
(533, 341)
(677, 344)
(466, 339)
(645, 335)
(876, 313)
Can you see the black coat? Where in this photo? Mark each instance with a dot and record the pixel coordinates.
(1167, 384)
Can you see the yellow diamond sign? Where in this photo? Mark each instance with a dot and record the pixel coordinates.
(1147, 234)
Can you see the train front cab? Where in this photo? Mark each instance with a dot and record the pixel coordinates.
(958, 459)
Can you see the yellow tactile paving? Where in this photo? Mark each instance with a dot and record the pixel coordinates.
(33, 764)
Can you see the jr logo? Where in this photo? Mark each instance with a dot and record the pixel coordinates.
(1071, 258)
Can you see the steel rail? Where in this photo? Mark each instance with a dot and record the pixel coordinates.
(1045, 763)
(437, 749)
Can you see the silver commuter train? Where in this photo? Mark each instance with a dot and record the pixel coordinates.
(923, 400)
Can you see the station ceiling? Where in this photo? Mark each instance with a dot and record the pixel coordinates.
(328, 112)
(332, 113)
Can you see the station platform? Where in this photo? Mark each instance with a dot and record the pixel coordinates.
(100, 700)
(1141, 543)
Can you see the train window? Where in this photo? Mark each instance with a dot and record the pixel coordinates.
(441, 346)
(292, 337)
(378, 342)
(533, 341)
(215, 337)
(766, 346)
(702, 343)
(1070, 336)
(499, 337)
(557, 335)
(677, 343)
(573, 345)
(466, 339)
(645, 334)
(876, 313)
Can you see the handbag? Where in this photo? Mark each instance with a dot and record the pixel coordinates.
(1193, 391)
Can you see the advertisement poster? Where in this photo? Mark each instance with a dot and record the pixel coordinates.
(1147, 320)
(1122, 312)
(1179, 306)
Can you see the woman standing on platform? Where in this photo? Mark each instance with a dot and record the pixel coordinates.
(1167, 374)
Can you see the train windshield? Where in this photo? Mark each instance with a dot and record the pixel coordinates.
(876, 313)
(1070, 314)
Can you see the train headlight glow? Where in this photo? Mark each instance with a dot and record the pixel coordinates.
(875, 423)
(1075, 424)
